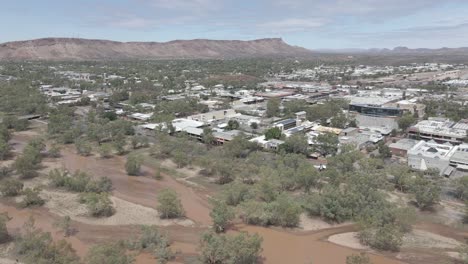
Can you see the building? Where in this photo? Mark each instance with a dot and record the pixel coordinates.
(459, 159)
(212, 116)
(440, 130)
(431, 155)
(401, 147)
(372, 110)
(285, 124)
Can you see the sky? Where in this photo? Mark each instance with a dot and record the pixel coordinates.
(313, 24)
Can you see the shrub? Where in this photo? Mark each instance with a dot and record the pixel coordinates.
(34, 246)
(221, 214)
(110, 253)
(169, 204)
(11, 187)
(133, 165)
(4, 236)
(83, 147)
(32, 198)
(98, 204)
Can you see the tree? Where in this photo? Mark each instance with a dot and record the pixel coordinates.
(83, 147)
(384, 150)
(139, 142)
(339, 120)
(4, 235)
(326, 143)
(11, 187)
(297, 144)
(169, 205)
(4, 149)
(119, 143)
(406, 121)
(230, 249)
(64, 224)
(273, 107)
(426, 192)
(232, 125)
(109, 253)
(133, 165)
(32, 198)
(98, 204)
(34, 246)
(221, 214)
(254, 125)
(54, 151)
(362, 258)
(207, 136)
(273, 133)
(105, 150)
(461, 188)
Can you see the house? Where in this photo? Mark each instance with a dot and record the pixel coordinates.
(401, 147)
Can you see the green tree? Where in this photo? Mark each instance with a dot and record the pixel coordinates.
(362, 258)
(384, 150)
(297, 144)
(230, 249)
(169, 205)
(133, 165)
(426, 192)
(4, 149)
(64, 224)
(4, 235)
(10, 187)
(339, 120)
(34, 246)
(109, 253)
(105, 150)
(273, 133)
(221, 214)
(273, 107)
(83, 147)
(326, 143)
(406, 121)
(207, 136)
(461, 188)
(32, 198)
(98, 204)
(232, 125)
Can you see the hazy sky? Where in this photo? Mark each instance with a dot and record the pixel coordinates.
(308, 23)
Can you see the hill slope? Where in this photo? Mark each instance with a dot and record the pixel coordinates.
(86, 49)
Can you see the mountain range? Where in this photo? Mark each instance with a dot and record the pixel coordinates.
(91, 49)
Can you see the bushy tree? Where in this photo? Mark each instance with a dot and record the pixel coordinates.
(83, 147)
(109, 253)
(133, 165)
(169, 205)
(32, 198)
(406, 121)
(297, 144)
(461, 188)
(362, 258)
(98, 204)
(273, 133)
(4, 149)
(34, 246)
(426, 192)
(326, 144)
(11, 187)
(64, 224)
(230, 249)
(273, 107)
(4, 235)
(221, 214)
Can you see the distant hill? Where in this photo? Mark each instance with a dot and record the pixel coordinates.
(87, 49)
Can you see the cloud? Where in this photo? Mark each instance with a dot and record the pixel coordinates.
(132, 23)
(292, 25)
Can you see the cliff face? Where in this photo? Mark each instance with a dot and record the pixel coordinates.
(86, 49)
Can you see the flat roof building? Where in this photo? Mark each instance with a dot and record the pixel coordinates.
(440, 130)
(431, 155)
